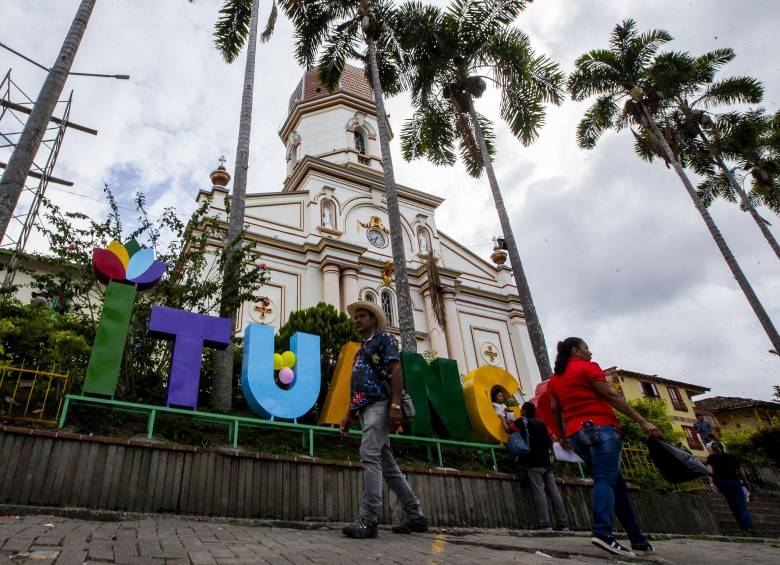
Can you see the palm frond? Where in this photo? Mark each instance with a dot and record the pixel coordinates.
(270, 24)
(596, 72)
(232, 28)
(430, 133)
(743, 90)
(599, 118)
(335, 53)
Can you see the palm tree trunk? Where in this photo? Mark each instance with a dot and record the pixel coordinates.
(222, 390)
(405, 311)
(731, 261)
(15, 174)
(535, 332)
(746, 202)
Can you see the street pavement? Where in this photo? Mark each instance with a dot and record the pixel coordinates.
(163, 540)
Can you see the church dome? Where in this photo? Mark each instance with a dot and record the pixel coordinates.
(353, 81)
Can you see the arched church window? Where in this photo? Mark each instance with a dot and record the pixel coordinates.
(387, 307)
(328, 214)
(360, 142)
(423, 240)
(370, 297)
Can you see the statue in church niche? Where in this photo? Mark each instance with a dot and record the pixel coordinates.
(328, 215)
(422, 242)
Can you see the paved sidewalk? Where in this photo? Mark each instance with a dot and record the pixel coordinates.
(165, 540)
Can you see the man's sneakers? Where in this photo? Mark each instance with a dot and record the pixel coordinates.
(643, 548)
(360, 529)
(612, 546)
(417, 525)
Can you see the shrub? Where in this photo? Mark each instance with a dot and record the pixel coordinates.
(740, 443)
(654, 411)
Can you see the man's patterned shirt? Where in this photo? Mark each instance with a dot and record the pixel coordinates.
(370, 373)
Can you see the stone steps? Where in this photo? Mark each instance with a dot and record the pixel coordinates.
(764, 512)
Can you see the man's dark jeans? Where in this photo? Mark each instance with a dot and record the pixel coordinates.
(732, 490)
(600, 448)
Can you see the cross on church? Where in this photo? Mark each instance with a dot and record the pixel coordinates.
(490, 354)
(263, 308)
(222, 160)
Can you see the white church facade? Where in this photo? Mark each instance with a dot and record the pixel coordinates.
(324, 237)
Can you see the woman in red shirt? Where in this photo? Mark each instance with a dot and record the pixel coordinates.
(583, 403)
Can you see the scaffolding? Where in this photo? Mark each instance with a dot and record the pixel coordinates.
(15, 107)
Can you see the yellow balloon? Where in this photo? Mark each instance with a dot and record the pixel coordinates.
(278, 362)
(289, 359)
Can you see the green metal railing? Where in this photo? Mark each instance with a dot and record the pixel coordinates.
(235, 423)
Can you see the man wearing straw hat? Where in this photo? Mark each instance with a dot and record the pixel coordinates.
(377, 383)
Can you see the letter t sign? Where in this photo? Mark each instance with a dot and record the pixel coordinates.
(189, 332)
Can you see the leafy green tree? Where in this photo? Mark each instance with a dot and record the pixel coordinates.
(654, 411)
(192, 280)
(767, 440)
(740, 443)
(650, 85)
(34, 335)
(335, 329)
(777, 392)
(451, 53)
(335, 30)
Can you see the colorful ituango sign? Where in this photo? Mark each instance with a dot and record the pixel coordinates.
(278, 385)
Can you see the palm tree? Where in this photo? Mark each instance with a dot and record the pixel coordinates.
(236, 26)
(15, 174)
(334, 29)
(650, 85)
(701, 138)
(709, 157)
(451, 54)
(752, 141)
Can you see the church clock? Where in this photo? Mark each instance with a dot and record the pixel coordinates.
(376, 237)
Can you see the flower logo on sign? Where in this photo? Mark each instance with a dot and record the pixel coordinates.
(128, 263)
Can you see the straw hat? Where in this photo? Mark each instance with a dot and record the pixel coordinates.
(381, 320)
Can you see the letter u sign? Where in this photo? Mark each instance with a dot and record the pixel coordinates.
(263, 394)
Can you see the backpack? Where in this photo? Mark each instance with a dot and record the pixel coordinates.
(519, 444)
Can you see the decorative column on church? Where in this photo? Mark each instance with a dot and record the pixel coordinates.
(435, 333)
(454, 341)
(349, 287)
(521, 343)
(330, 285)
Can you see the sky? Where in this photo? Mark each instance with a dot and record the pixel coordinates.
(613, 248)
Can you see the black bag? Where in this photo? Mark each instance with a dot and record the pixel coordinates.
(675, 465)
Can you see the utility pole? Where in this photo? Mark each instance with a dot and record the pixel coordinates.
(21, 160)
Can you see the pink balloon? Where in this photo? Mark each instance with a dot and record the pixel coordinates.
(286, 375)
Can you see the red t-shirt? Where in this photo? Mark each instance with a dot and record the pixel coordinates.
(578, 400)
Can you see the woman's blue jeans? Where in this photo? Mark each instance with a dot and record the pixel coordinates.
(600, 448)
(732, 490)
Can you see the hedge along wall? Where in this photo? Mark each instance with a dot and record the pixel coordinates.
(44, 468)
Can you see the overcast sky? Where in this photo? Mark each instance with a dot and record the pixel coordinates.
(613, 249)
